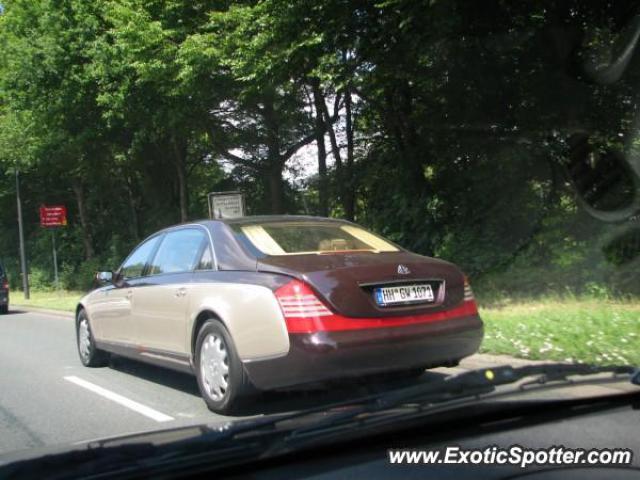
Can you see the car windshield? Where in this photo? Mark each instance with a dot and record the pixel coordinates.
(214, 212)
(294, 238)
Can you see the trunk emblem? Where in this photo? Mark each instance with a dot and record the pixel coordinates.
(403, 270)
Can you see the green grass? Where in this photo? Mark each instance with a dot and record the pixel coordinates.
(566, 329)
(54, 300)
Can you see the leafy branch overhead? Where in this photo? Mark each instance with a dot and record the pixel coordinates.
(396, 114)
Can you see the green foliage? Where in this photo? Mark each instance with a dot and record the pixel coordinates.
(40, 279)
(129, 112)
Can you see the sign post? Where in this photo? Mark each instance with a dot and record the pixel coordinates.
(226, 205)
(55, 258)
(23, 255)
(52, 217)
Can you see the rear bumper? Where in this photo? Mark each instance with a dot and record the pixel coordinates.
(328, 355)
(4, 297)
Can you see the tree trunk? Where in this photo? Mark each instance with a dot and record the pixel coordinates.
(84, 222)
(335, 149)
(349, 199)
(332, 136)
(133, 208)
(276, 190)
(399, 119)
(320, 129)
(180, 154)
(274, 159)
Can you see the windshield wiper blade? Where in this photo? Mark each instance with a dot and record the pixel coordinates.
(460, 387)
(270, 436)
(485, 380)
(434, 394)
(472, 383)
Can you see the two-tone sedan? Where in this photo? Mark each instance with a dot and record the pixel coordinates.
(275, 302)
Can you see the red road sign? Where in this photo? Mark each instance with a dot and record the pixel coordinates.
(53, 216)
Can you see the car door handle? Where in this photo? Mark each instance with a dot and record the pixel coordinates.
(181, 292)
(128, 295)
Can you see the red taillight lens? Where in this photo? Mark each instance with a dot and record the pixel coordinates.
(304, 312)
(297, 300)
(5, 283)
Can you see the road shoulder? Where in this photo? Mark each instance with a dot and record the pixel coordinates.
(15, 308)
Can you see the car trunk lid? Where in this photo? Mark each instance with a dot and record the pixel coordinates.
(347, 282)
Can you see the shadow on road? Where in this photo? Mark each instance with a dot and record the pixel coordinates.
(169, 378)
(330, 392)
(276, 401)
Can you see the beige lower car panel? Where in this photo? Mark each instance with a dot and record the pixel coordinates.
(109, 311)
(251, 314)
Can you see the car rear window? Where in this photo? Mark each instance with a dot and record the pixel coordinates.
(295, 238)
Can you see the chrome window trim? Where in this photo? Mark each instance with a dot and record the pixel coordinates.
(213, 250)
(167, 230)
(204, 250)
(153, 254)
(183, 227)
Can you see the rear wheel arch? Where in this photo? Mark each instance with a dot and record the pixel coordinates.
(200, 320)
(222, 380)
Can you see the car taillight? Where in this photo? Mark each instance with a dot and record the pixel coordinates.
(468, 293)
(5, 283)
(305, 313)
(297, 300)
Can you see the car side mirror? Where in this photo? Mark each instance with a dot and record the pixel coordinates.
(104, 278)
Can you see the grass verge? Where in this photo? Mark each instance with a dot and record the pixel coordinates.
(565, 329)
(53, 300)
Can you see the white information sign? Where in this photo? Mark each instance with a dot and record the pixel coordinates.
(226, 205)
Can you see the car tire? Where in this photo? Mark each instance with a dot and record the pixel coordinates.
(90, 355)
(4, 309)
(222, 381)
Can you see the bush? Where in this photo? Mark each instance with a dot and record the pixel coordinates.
(68, 278)
(40, 279)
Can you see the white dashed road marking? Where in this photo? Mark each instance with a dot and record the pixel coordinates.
(124, 401)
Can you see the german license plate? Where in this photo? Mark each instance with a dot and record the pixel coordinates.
(404, 294)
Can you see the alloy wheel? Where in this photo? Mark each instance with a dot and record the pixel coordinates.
(214, 366)
(84, 339)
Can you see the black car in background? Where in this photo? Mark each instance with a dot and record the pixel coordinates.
(4, 291)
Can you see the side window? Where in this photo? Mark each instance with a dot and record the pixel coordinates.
(134, 265)
(178, 251)
(206, 260)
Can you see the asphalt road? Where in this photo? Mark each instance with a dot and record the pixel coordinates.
(48, 398)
